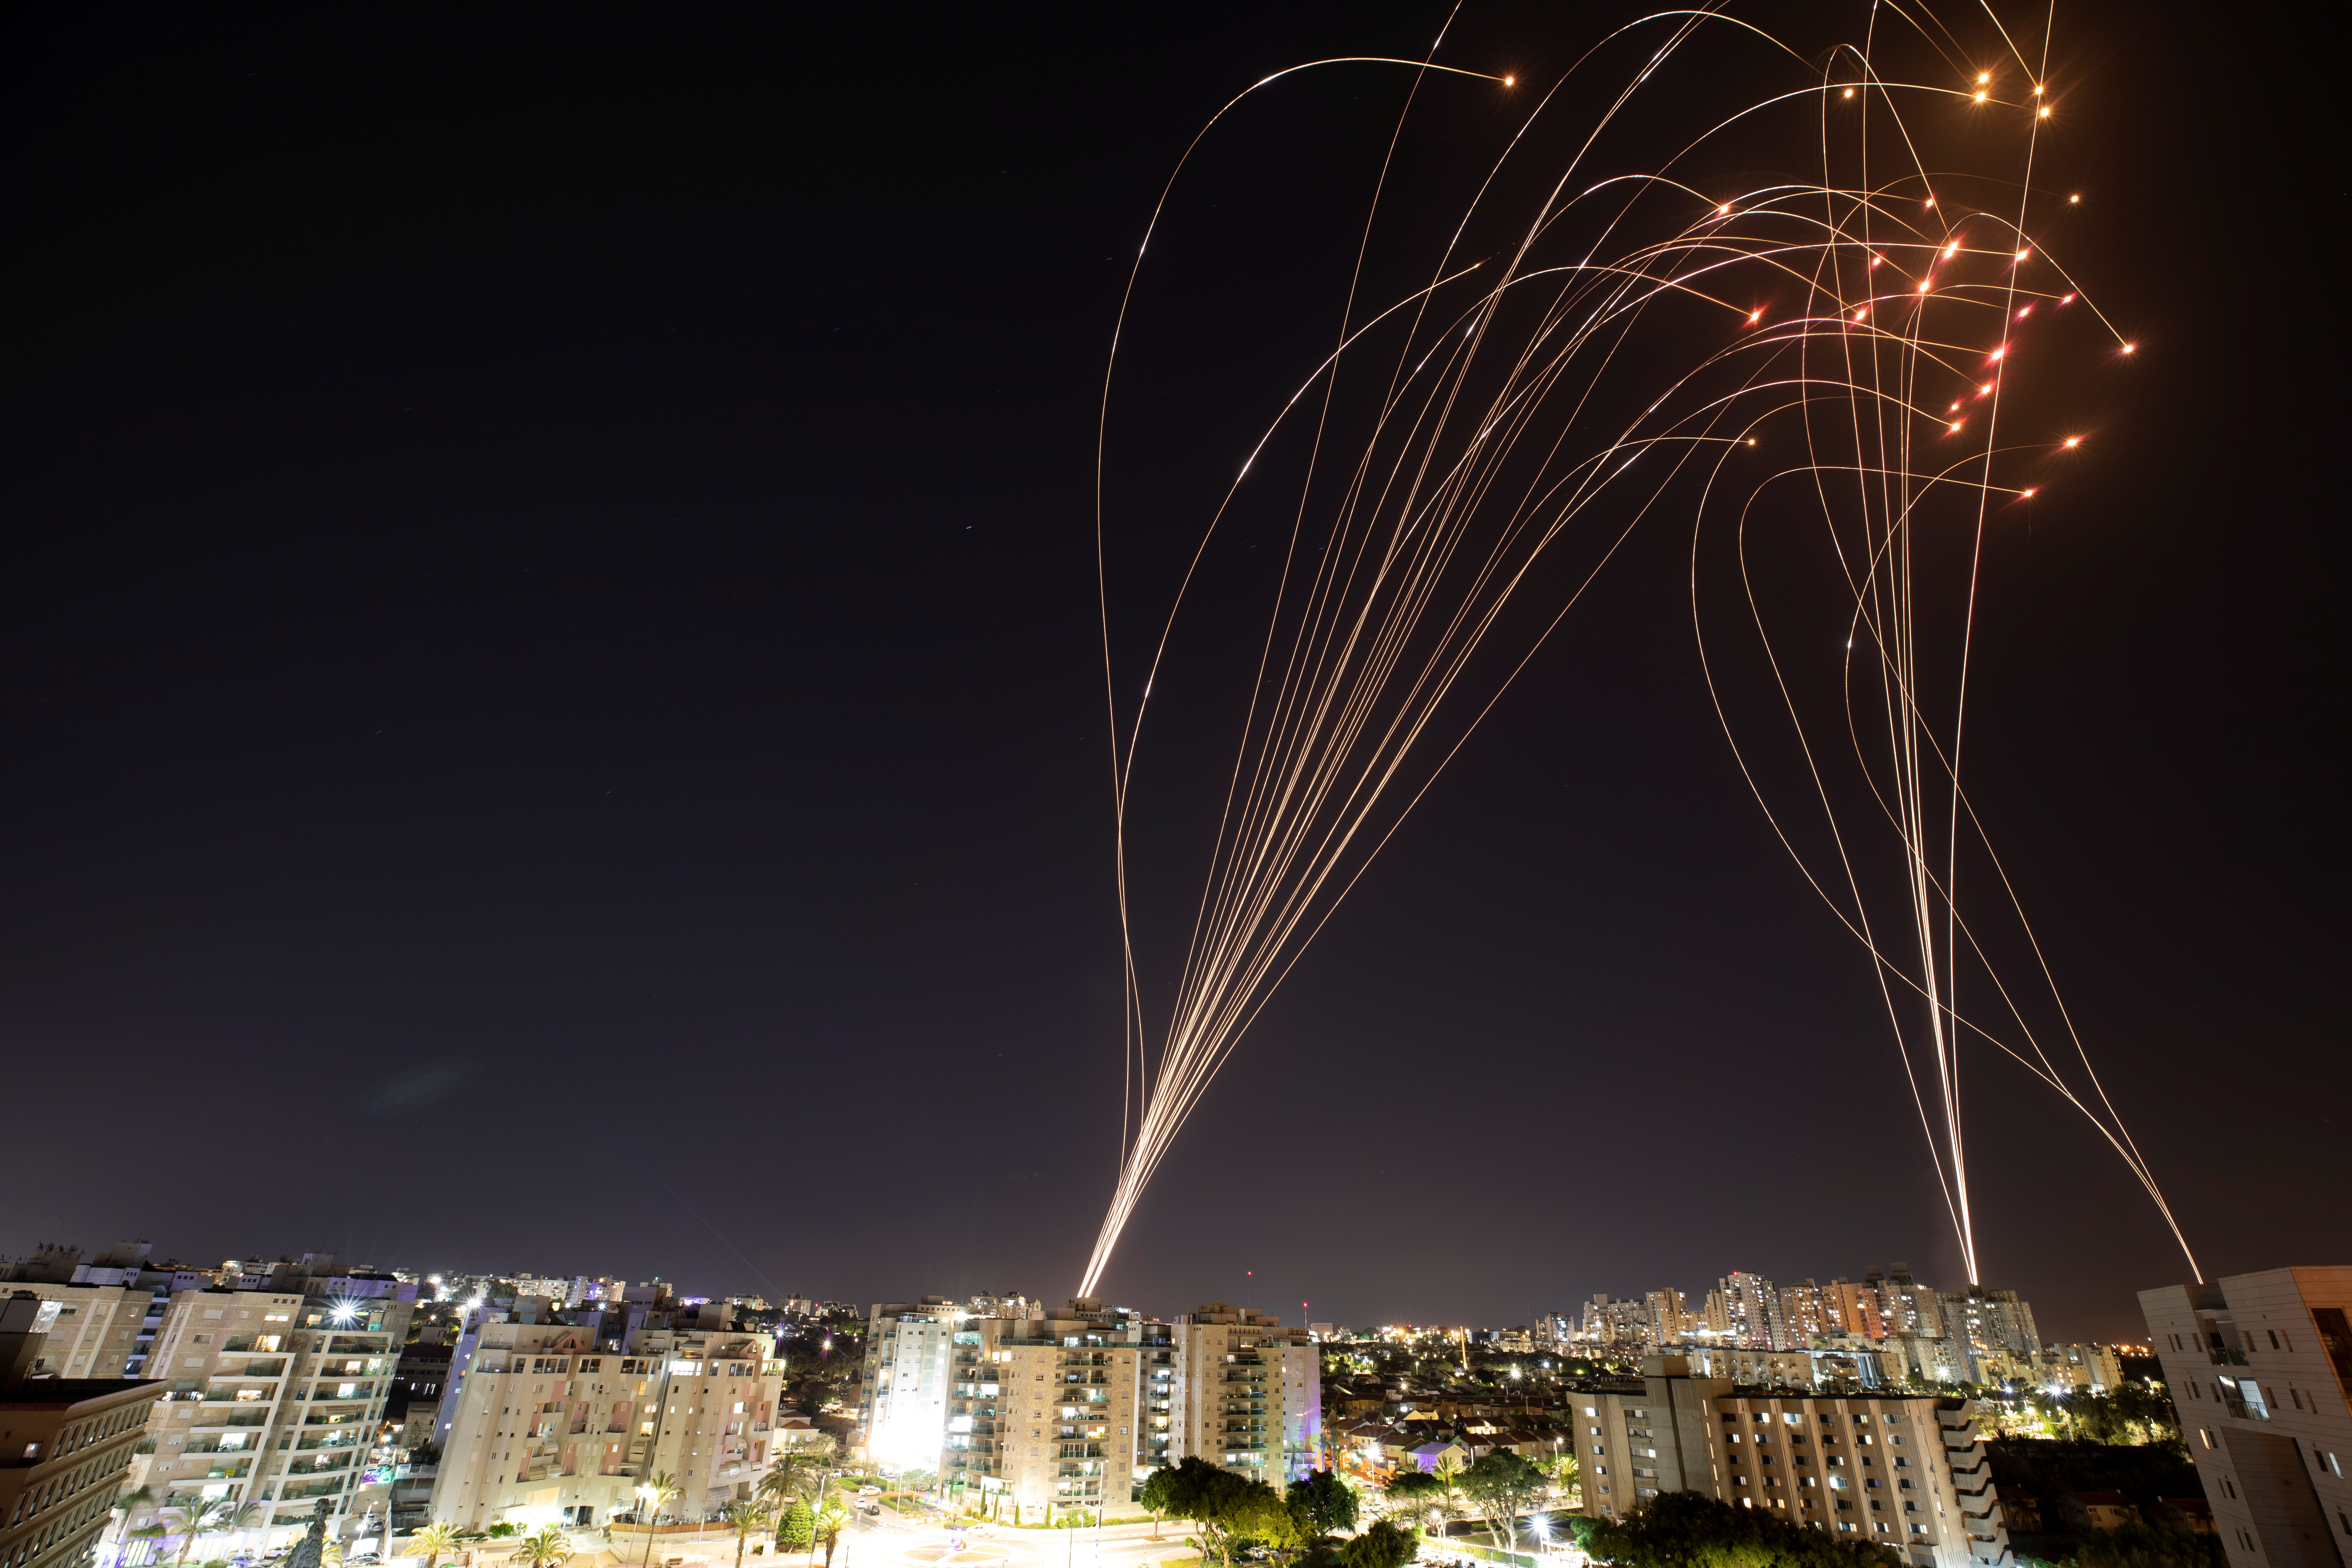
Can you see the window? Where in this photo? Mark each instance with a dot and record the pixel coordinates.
(2273, 1334)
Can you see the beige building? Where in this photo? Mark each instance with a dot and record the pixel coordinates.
(273, 1392)
(66, 1441)
(2260, 1365)
(1904, 1471)
(1247, 1393)
(550, 1428)
(1057, 1409)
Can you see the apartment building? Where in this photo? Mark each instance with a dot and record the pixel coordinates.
(108, 1309)
(1858, 1368)
(272, 1389)
(1670, 1316)
(64, 1444)
(1247, 1393)
(1616, 1323)
(2260, 1365)
(551, 1426)
(1066, 1409)
(1854, 1308)
(908, 1348)
(1908, 1471)
(1989, 1323)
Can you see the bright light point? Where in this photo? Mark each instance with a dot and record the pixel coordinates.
(1510, 81)
(2025, 312)
(1983, 77)
(1931, 201)
(1754, 317)
(2128, 348)
(2045, 111)
(1859, 314)
(2037, 92)
(2074, 440)
(1951, 250)
(2071, 200)
(1876, 260)
(1723, 211)
(1998, 352)
(1923, 288)
(1751, 441)
(2024, 495)
(1956, 408)
(1849, 92)
(1956, 427)
(2023, 254)
(1980, 96)
(2065, 299)
(1985, 391)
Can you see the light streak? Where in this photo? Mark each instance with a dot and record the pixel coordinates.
(1478, 442)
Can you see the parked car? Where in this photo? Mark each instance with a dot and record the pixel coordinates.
(869, 1491)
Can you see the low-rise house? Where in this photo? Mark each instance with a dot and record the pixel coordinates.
(2097, 1510)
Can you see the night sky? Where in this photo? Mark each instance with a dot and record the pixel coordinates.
(553, 710)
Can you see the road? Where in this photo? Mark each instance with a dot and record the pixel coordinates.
(893, 1541)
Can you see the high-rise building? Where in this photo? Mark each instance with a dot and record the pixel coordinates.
(1616, 1323)
(68, 1443)
(1060, 1410)
(1854, 1308)
(2260, 1367)
(1906, 1471)
(1989, 1323)
(1911, 1307)
(552, 1427)
(273, 1388)
(1749, 1311)
(1670, 1316)
(910, 1347)
(1247, 1393)
(1804, 1315)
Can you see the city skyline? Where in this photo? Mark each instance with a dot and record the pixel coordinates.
(529, 640)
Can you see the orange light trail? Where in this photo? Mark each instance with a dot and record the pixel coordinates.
(1473, 452)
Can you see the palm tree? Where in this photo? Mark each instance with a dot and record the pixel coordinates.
(433, 1541)
(747, 1520)
(658, 1488)
(546, 1548)
(831, 1520)
(220, 1513)
(797, 1477)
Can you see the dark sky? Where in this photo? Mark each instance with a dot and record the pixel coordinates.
(554, 714)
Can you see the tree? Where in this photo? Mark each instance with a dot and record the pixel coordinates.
(1504, 1486)
(1223, 1504)
(831, 1519)
(1684, 1530)
(658, 1488)
(1327, 1503)
(799, 1530)
(799, 1475)
(546, 1548)
(1157, 1495)
(1384, 1545)
(747, 1518)
(205, 1518)
(2151, 1546)
(433, 1541)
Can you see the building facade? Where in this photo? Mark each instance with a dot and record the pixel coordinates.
(909, 1352)
(66, 1444)
(1906, 1471)
(272, 1392)
(1247, 1393)
(549, 1428)
(2258, 1365)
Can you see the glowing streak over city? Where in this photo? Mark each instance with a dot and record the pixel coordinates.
(1482, 444)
